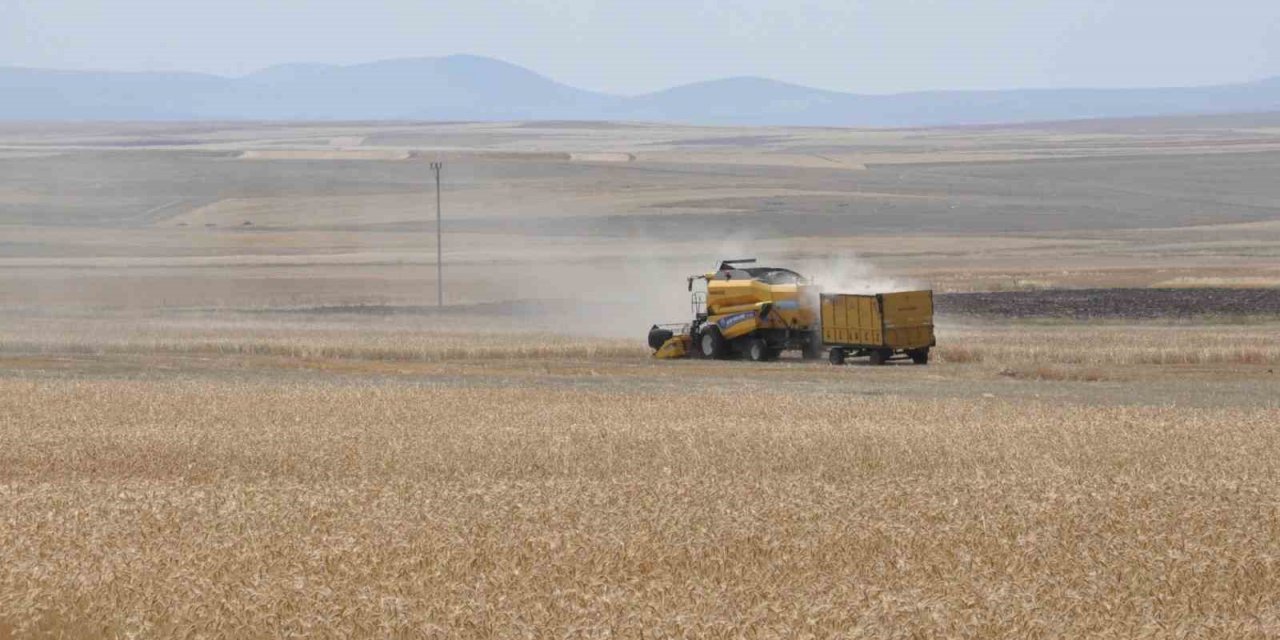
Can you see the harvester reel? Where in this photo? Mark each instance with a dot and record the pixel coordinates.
(659, 336)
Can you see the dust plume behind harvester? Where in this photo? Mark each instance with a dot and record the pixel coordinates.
(760, 312)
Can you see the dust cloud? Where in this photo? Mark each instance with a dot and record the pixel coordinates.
(623, 297)
(620, 297)
(851, 274)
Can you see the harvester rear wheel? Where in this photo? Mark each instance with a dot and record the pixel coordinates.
(919, 356)
(759, 351)
(711, 344)
(836, 356)
(881, 356)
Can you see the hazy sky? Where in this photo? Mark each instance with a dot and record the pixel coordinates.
(872, 46)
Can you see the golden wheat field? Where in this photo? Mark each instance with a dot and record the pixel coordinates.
(182, 484)
(583, 490)
(230, 509)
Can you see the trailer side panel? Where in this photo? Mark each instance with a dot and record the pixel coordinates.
(900, 321)
(908, 319)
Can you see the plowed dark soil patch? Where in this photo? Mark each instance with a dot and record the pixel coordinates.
(1120, 304)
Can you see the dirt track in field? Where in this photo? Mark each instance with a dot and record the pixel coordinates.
(1117, 304)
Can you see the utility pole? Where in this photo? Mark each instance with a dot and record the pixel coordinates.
(435, 168)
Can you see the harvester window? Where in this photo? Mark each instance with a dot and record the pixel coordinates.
(780, 276)
(767, 275)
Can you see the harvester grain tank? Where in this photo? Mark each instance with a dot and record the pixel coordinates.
(759, 312)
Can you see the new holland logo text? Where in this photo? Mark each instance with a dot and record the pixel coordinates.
(729, 321)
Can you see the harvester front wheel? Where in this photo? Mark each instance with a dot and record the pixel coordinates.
(919, 356)
(712, 345)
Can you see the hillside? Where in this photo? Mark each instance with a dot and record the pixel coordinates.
(466, 87)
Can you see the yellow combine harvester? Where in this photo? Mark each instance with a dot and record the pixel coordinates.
(759, 312)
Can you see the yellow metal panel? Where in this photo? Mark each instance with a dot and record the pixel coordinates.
(674, 347)
(741, 328)
(909, 337)
(908, 308)
(828, 320)
(852, 312)
(900, 320)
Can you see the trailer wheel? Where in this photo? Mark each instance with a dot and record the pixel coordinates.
(758, 350)
(711, 344)
(919, 356)
(880, 356)
(836, 356)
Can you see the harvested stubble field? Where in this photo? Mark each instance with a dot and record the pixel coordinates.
(231, 509)
(1117, 303)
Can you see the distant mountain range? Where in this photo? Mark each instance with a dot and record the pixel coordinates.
(477, 88)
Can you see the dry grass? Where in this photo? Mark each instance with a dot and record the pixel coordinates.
(229, 509)
(436, 340)
(357, 339)
(1241, 282)
(1119, 345)
(1046, 373)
